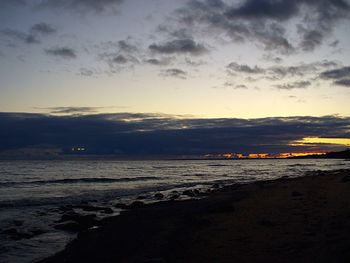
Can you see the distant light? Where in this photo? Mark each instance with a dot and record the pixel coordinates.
(78, 149)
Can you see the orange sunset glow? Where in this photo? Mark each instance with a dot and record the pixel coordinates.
(265, 155)
(316, 140)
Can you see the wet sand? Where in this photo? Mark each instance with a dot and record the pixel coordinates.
(305, 219)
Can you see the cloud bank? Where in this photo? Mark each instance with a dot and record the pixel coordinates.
(62, 52)
(134, 134)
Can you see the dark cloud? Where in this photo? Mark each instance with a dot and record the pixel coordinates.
(267, 22)
(194, 63)
(32, 37)
(6, 3)
(87, 72)
(43, 28)
(294, 85)
(63, 52)
(235, 86)
(280, 72)
(126, 46)
(334, 44)
(179, 46)
(83, 5)
(154, 134)
(271, 58)
(340, 76)
(238, 68)
(326, 64)
(175, 32)
(75, 110)
(241, 86)
(120, 59)
(174, 72)
(158, 62)
(20, 36)
(116, 59)
(339, 73)
(120, 54)
(343, 82)
(228, 84)
(71, 110)
(311, 39)
(262, 9)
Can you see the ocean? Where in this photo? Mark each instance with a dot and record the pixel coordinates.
(31, 192)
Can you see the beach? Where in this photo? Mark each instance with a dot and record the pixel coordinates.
(305, 219)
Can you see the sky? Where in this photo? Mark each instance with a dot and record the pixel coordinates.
(214, 62)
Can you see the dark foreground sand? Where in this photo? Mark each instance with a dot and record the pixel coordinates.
(287, 220)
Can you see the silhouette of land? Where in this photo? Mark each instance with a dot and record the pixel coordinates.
(330, 155)
(305, 219)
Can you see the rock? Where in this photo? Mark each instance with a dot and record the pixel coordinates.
(66, 208)
(37, 232)
(91, 208)
(189, 193)
(68, 216)
(121, 206)
(141, 197)
(205, 193)
(215, 186)
(83, 220)
(108, 210)
(88, 208)
(174, 196)
(158, 196)
(18, 235)
(136, 204)
(22, 235)
(70, 226)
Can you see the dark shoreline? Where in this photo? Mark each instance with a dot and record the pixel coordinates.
(304, 219)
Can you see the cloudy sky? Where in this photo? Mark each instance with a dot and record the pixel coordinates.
(194, 59)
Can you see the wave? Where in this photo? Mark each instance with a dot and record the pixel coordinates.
(303, 165)
(218, 165)
(82, 180)
(99, 196)
(201, 175)
(169, 167)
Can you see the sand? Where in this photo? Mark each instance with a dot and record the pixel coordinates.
(306, 219)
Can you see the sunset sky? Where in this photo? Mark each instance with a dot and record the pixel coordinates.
(178, 63)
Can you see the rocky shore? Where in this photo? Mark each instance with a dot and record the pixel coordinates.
(305, 219)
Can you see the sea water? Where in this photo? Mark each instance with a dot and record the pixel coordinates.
(32, 191)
